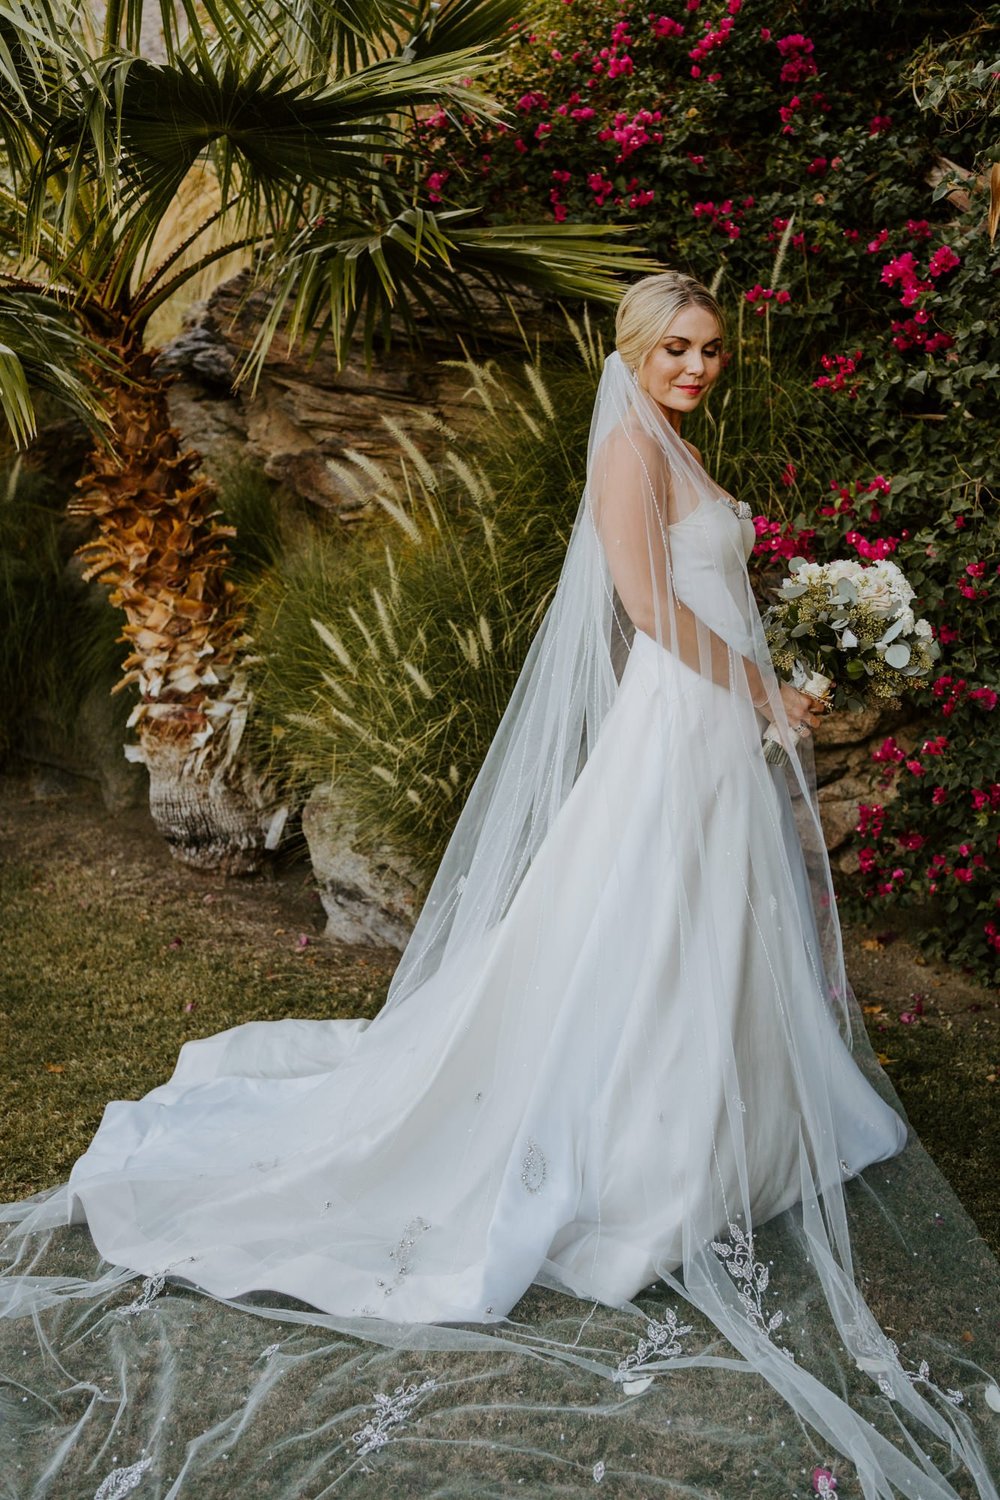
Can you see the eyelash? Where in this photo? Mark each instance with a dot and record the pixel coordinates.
(709, 353)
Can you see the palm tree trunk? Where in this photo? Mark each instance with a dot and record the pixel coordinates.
(165, 557)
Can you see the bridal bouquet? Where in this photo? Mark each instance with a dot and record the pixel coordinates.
(845, 633)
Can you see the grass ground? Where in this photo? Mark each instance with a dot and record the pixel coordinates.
(112, 955)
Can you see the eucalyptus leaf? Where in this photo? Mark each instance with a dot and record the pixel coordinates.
(793, 590)
(848, 639)
(892, 632)
(898, 654)
(798, 630)
(846, 591)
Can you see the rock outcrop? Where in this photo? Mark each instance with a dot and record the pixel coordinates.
(370, 895)
(306, 414)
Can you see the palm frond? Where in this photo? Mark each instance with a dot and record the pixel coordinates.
(463, 24)
(421, 267)
(135, 132)
(43, 349)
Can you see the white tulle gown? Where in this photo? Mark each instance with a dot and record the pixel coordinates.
(615, 1065)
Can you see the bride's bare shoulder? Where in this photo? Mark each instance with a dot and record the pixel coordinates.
(629, 440)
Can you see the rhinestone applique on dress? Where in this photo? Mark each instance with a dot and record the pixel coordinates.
(739, 508)
(121, 1482)
(152, 1286)
(751, 1277)
(533, 1168)
(401, 1254)
(662, 1341)
(390, 1412)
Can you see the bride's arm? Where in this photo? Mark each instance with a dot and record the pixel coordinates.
(630, 514)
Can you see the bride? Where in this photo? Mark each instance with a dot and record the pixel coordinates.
(619, 1050)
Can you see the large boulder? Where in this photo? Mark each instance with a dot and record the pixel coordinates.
(370, 894)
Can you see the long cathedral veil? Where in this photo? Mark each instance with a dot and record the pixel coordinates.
(637, 1205)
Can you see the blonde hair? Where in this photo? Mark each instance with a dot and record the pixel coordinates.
(648, 308)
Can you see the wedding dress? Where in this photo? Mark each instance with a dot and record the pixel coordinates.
(617, 1053)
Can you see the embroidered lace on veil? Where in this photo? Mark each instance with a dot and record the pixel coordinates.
(645, 1214)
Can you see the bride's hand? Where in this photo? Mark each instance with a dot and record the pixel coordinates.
(800, 708)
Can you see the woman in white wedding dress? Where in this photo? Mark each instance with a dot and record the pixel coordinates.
(619, 1042)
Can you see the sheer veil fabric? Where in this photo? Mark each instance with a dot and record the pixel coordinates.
(611, 1192)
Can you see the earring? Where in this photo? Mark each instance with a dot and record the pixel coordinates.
(635, 375)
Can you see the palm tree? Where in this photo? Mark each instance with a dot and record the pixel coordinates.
(300, 113)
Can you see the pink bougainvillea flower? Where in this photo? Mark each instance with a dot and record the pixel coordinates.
(878, 124)
(435, 183)
(944, 259)
(888, 750)
(871, 816)
(842, 366)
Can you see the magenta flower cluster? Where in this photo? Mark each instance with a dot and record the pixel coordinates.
(840, 368)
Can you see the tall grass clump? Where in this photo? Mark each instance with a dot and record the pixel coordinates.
(32, 598)
(387, 658)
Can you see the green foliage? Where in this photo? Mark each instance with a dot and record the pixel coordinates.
(30, 597)
(262, 515)
(42, 351)
(56, 642)
(389, 657)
